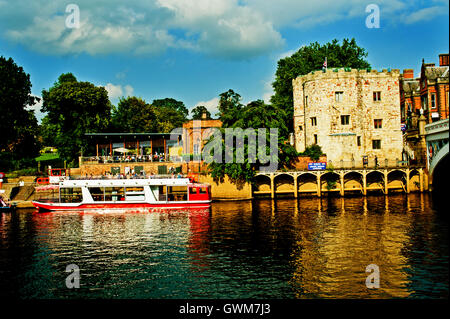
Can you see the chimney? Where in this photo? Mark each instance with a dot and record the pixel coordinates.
(443, 59)
(204, 116)
(408, 74)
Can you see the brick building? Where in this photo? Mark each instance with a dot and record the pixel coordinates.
(423, 100)
(196, 133)
(350, 114)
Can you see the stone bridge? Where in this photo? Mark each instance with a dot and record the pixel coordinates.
(436, 137)
(342, 181)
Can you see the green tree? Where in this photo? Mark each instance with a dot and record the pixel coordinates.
(254, 115)
(18, 126)
(73, 109)
(310, 58)
(170, 114)
(198, 111)
(133, 115)
(229, 107)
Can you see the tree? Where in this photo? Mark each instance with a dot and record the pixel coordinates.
(134, 115)
(253, 116)
(229, 107)
(310, 58)
(18, 125)
(73, 109)
(198, 111)
(170, 114)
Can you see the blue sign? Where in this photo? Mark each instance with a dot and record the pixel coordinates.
(403, 127)
(317, 166)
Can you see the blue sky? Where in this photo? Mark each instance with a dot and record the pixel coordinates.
(194, 50)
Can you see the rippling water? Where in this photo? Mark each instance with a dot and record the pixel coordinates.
(309, 248)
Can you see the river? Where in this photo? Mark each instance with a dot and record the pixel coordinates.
(310, 248)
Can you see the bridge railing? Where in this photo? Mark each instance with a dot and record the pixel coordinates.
(370, 164)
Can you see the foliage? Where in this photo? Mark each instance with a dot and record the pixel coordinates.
(198, 111)
(18, 126)
(133, 115)
(229, 108)
(73, 109)
(310, 58)
(170, 114)
(24, 172)
(313, 151)
(254, 115)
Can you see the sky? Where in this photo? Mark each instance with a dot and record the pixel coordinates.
(193, 50)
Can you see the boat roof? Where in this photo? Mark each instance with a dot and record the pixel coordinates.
(128, 182)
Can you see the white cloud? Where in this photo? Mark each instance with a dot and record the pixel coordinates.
(425, 14)
(211, 105)
(238, 29)
(37, 109)
(128, 90)
(116, 91)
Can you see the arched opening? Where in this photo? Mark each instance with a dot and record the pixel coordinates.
(414, 181)
(375, 182)
(440, 182)
(330, 182)
(307, 184)
(353, 183)
(396, 181)
(261, 185)
(284, 184)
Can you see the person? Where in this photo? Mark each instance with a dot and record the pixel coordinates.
(376, 161)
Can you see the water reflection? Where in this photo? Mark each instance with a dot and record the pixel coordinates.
(285, 248)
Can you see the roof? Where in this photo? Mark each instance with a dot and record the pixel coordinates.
(411, 86)
(435, 72)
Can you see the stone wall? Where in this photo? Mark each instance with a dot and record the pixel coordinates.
(314, 96)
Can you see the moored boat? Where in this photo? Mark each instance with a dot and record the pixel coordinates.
(6, 206)
(92, 194)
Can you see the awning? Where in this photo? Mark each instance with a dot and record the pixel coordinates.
(121, 150)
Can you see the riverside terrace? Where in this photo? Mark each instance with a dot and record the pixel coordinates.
(123, 153)
(130, 147)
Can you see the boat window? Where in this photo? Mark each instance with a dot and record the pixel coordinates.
(71, 195)
(114, 194)
(202, 190)
(97, 193)
(162, 193)
(130, 190)
(193, 190)
(177, 193)
(135, 193)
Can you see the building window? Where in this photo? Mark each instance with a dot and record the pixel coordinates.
(315, 138)
(377, 96)
(376, 144)
(377, 123)
(313, 121)
(306, 100)
(358, 140)
(196, 149)
(300, 128)
(338, 96)
(424, 103)
(345, 119)
(433, 100)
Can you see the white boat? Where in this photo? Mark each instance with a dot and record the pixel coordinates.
(87, 194)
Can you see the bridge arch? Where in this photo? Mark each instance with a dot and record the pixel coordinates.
(439, 178)
(438, 157)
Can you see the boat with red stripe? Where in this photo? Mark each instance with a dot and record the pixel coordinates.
(96, 194)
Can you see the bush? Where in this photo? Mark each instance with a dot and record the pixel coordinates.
(314, 152)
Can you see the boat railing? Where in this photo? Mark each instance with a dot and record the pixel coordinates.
(121, 176)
